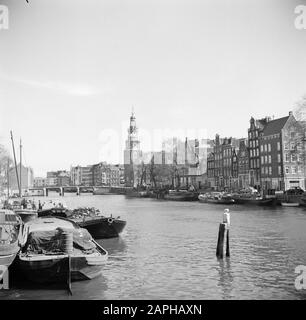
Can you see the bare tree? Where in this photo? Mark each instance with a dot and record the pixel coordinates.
(5, 162)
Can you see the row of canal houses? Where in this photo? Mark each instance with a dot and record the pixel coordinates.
(271, 159)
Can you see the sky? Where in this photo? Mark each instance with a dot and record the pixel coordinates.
(71, 71)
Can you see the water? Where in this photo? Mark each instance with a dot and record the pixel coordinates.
(167, 251)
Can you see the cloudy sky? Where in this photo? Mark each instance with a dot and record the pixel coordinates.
(71, 70)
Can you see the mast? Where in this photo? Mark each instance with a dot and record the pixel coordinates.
(15, 161)
(8, 178)
(20, 190)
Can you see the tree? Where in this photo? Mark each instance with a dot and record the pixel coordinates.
(299, 111)
(5, 160)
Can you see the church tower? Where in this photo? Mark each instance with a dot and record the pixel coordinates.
(132, 153)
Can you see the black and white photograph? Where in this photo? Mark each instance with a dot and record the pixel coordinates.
(153, 150)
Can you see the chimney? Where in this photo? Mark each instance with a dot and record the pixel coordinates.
(290, 113)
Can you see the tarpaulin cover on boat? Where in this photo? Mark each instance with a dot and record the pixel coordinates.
(52, 241)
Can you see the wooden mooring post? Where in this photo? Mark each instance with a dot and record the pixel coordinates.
(223, 233)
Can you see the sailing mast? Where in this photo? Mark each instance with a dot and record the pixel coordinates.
(15, 161)
(8, 178)
(20, 190)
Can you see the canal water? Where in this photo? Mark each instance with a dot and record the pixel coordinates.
(167, 251)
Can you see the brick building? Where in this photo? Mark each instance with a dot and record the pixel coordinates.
(282, 154)
(243, 165)
(256, 127)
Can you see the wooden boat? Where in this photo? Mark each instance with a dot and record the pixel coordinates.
(290, 204)
(10, 228)
(53, 248)
(216, 198)
(253, 200)
(101, 227)
(98, 225)
(181, 195)
(138, 194)
(55, 212)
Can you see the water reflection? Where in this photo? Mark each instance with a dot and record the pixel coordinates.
(226, 277)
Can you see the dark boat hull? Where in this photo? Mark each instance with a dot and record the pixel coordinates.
(192, 197)
(252, 202)
(138, 194)
(56, 270)
(55, 212)
(221, 201)
(103, 228)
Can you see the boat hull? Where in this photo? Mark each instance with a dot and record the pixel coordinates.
(221, 201)
(103, 228)
(138, 194)
(56, 269)
(181, 197)
(56, 212)
(7, 260)
(290, 204)
(254, 202)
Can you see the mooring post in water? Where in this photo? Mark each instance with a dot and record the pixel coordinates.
(223, 228)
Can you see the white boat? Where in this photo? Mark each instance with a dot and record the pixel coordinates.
(10, 228)
(290, 204)
(54, 247)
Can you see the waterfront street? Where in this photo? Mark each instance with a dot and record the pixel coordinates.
(168, 251)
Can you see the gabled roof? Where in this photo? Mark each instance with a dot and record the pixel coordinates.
(275, 126)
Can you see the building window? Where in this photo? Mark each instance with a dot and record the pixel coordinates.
(287, 169)
(293, 170)
(270, 161)
(293, 157)
(292, 146)
(265, 148)
(261, 148)
(287, 157)
(262, 170)
(278, 146)
(279, 170)
(269, 147)
(267, 170)
(299, 169)
(286, 146)
(262, 159)
(266, 159)
(270, 171)
(278, 157)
